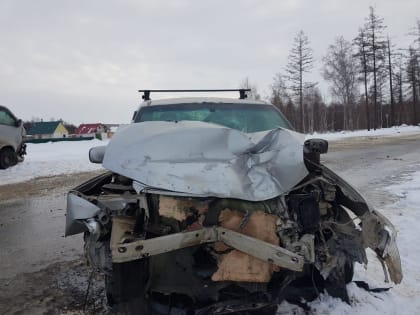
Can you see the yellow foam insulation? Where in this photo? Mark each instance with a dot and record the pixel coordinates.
(180, 209)
(238, 266)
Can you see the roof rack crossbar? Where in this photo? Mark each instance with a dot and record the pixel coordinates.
(242, 92)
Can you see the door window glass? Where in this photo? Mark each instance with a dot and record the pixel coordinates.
(6, 119)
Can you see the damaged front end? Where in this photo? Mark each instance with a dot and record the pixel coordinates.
(243, 245)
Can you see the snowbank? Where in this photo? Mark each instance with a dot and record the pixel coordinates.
(393, 131)
(52, 158)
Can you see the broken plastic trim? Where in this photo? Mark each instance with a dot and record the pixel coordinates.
(123, 251)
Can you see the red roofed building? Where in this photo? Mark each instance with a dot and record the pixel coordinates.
(90, 130)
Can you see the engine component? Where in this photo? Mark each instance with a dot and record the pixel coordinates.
(305, 210)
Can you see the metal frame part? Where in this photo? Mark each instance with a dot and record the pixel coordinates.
(123, 250)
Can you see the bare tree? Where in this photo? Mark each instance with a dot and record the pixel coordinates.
(381, 83)
(300, 61)
(313, 103)
(391, 90)
(279, 96)
(416, 34)
(281, 99)
(376, 46)
(412, 69)
(361, 42)
(340, 69)
(398, 87)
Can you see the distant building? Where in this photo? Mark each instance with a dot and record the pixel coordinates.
(112, 128)
(70, 128)
(90, 130)
(47, 130)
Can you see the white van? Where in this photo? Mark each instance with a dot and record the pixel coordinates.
(12, 133)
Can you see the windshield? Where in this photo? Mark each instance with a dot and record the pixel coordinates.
(244, 117)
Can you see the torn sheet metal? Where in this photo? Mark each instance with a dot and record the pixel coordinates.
(202, 159)
(378, 232)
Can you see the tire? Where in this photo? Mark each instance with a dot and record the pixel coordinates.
(125, 288)
(8, 158)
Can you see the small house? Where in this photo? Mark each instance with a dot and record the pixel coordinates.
(90, 130)
(112, 128)
(47, 130)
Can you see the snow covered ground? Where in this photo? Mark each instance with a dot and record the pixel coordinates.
(393, 131)
(52, 158)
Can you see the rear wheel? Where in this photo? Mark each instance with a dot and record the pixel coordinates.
(8, 158)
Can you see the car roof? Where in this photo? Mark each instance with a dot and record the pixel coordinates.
(186, 100)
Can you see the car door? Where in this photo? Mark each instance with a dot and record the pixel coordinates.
(10, 131)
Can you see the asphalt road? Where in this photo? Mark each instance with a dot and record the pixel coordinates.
(42, 272)
(372, 163)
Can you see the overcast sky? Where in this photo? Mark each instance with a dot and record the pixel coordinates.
(83, 61)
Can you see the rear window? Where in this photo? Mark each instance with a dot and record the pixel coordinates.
(244, 117)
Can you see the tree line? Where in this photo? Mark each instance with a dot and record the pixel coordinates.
(372, 83)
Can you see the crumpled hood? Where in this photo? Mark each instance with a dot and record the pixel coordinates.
(202, 159)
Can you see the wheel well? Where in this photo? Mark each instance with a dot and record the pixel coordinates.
(5, 147)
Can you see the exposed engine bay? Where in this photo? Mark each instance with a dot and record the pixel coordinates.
(230, 249)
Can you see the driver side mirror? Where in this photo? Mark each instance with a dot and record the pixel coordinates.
(96, 154)
(319, 146)
(18, 122)
(312, 150)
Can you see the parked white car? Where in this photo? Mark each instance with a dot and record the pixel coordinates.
(12, 133)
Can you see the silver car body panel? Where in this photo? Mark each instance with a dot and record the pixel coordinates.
(202, 159)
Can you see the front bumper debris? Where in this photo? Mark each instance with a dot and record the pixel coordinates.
(123, 249)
